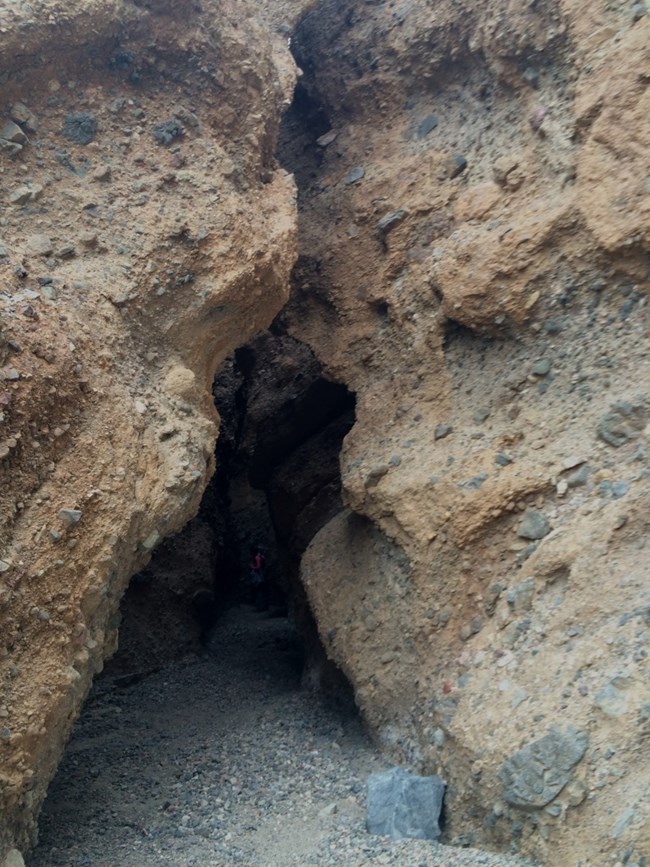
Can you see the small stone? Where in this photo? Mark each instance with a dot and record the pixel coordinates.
(20, 196)
(326, 139)
(426, 125)
(102, 174)
(480, 415)
(580, 477)
(70, 517)
(327, 811)
(88, 240)
(531, 76)
(541, 367)
(475, 483)
(573, 461)
(12, 132)
(535, 525)
(623, 821)
(456, 165)
(506, 171)
(619, 489)
(167, 132)
(536, 119)
(66, 252)
(612, 699)
(391, 221)
(639, 10)
(401, 805)
(80, 128)
(520, 597)
(354, 175)
(24, 116)
(187, 117)
(476, 625)
(10, 148)
(442, 430)
(13, 858)
(151, 541)
(4, 566)
(520, 696)
(502, 459)
(623, 422)
(39, 245)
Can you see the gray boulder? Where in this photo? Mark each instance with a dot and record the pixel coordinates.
(403, 805)
(534, 775)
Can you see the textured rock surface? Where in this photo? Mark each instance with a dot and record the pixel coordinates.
(144, 277)
(403, 805)
(474, 227)
(497, 342)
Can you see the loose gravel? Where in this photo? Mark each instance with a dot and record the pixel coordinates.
(222, 760)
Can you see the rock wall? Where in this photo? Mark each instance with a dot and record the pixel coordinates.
(474, 236)
(145, 232)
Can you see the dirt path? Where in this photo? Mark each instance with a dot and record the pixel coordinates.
(221, 761)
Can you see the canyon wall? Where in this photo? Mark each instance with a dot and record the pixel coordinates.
(471, 244)
(145, 232)
(473, 263)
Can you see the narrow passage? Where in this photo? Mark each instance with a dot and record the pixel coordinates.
(220, 760)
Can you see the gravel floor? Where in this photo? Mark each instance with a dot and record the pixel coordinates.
(221, 761)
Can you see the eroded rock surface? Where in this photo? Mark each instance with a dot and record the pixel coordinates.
(474, 229)
(146, 231)
(474, 237)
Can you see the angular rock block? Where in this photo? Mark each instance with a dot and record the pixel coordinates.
(403, 805)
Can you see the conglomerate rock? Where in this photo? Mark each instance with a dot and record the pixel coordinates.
(145, 232)
(473, 227)
(474, 237)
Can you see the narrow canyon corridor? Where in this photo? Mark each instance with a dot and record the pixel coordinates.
(221, 760)
(356, 291)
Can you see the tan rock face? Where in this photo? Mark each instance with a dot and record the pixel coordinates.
(154, 234)
(473, 242)
(491, 319)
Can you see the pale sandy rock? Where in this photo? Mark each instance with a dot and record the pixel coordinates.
(417, 586)
(501, 637)
(180, 382)
(477, 201)
(172, 274)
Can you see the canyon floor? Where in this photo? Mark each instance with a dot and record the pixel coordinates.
(222, 759)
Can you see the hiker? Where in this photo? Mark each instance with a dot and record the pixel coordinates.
(258, 580)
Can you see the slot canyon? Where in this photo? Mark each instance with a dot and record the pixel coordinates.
(361, 284)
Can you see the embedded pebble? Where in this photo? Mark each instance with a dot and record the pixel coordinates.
(354, 175)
